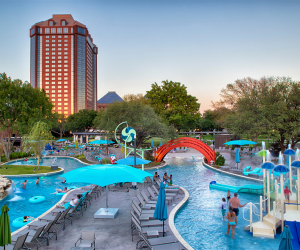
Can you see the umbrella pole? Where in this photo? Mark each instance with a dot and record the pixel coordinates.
(106, 198)
(290, 174)
(268, 190)
(163, 228)
(282, 201)
(298, 184)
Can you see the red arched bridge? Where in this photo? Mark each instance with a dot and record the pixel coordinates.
(203, 148)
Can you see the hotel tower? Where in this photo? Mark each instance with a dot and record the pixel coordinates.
(63, 62)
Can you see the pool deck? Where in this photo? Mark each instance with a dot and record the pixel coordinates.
(110, 233)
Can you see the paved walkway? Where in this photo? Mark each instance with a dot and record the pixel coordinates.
(110, 233)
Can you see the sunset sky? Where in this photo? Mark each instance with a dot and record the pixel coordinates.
(202, 44)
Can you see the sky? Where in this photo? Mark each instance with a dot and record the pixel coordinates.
(205, 45)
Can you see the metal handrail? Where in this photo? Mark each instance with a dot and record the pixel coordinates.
(244, 213)
(254, 209)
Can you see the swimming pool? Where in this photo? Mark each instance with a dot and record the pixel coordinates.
(200, 222)
(18, 202)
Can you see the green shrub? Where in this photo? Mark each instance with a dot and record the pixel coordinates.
(3, 158)
(105, 161)
(81, 157)
(220, 160)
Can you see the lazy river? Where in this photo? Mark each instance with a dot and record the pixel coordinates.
(199, 221)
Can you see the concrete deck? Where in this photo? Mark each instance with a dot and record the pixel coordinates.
(110, 233)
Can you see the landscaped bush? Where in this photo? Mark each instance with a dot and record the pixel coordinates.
(16, 155)
(220, 160)
(105, 161)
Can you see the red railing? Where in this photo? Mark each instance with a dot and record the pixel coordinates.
(203, 148)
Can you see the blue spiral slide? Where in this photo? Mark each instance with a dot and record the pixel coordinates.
(295, 230)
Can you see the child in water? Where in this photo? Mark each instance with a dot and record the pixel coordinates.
(223, 207)
(171, 179)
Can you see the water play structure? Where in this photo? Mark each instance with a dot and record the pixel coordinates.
(250, 189)
(203, 148)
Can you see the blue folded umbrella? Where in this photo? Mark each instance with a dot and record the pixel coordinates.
(161, 211)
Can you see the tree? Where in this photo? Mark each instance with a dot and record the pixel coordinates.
(208, 123)
(138, 115)
(38, 137)
(58, 123)
(82, 120)
(269, 106)
(20, 107)
(172, 102)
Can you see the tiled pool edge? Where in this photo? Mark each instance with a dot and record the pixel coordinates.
(231, 174)
(172, 218)
(49, 210)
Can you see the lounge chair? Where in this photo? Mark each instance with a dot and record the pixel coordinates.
(148, 180)
(144, 204)
(146, 198)
(155, 196)
(20, 243)
(255, 171)
(142, 211)
(142, 217)
(33, 237)
(150, 223)
(248, 168)
(86, 240)
(162, 243)
(149, 231)
(52, 218)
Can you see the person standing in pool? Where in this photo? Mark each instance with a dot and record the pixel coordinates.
(235, 203)
(37, 180)
(223, 207)
(232, 221)
(23, 184)
(228, 196)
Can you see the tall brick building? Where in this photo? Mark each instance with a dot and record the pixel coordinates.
(63, 61)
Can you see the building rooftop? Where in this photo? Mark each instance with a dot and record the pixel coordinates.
(110, 97)
(57, 18)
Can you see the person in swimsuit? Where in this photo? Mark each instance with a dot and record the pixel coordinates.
(23, 184)
(223, 207)
(62, 191)
(171, 180)
(232, 220)
(228, 196)
(287, 193)
(165, 178)
(235, 203)
(37, 180)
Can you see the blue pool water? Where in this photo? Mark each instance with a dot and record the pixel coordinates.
(200, 221)
(18, 203)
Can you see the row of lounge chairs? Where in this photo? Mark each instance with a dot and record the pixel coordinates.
(147, 227)
(41, 231)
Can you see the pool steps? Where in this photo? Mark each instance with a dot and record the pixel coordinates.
(266, 227)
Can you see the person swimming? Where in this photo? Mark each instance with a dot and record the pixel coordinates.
(62, 191)
(28, 218)
(23, 184)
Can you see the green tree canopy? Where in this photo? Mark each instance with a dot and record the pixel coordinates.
(20, 107)
(38, 137)
(172, 102)
(268, 106)
(139, 116)
(80, 121)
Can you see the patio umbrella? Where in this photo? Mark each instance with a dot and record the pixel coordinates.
(152, 144)
(237, 158)
(296, 164)
(130, 161)
(99, 142)
(5, 233)
(289, 152)
(268, 165)
(286, 239)
(240, 142)
(61, 140)
(104, 175)
(161, 212)
(281, 169)
(161, 143)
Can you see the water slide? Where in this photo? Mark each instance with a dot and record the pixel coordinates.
(295, 230)
(250, 189)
